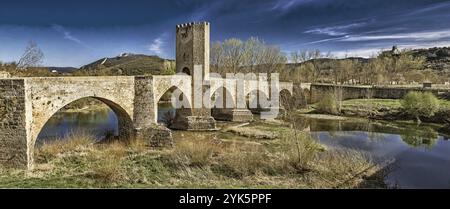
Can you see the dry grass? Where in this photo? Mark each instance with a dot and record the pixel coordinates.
(288, 162)
(297, 152)
(252, 132)
(74, 142)
(195, 153)
(107, 164)
(239, 163)
(343, 169)
(294, 160)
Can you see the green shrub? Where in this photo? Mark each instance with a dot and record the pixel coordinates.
(328, 104)
(420, 104)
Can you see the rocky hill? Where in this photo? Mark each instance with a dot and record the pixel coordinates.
(130, 64)
(438, 58)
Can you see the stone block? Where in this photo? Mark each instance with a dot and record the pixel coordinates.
(195, 123)
(155, 136)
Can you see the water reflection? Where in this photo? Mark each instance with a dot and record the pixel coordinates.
(420, 153)
(166, 113)
(99, 123)
(411, 134)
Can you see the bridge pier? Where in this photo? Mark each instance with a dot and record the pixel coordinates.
(14, 138)
(231, 114)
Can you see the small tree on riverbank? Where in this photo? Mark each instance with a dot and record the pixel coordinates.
(328, 104)
(420, 104)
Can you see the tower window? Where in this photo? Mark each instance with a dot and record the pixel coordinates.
(186, 70)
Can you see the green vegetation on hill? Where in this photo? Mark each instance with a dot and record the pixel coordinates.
(125, 64)
(129, 64)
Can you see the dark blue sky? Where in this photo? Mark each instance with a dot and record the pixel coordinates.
(73, 33)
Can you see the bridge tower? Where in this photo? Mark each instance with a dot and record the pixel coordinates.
(192, 58)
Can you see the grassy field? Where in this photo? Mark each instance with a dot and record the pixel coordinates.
(198, 160)
(383, 103)
(373, 103)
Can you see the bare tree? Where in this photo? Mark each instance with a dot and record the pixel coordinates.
(32, 57)
(252, 55)
(217, 57)
(233, 50)
(311, 63)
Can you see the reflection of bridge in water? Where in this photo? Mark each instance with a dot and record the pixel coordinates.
(28, 103)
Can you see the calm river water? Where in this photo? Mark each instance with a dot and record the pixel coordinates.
(421, 155)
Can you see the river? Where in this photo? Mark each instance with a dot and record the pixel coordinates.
(421, 155)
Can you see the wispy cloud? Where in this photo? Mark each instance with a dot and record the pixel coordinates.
(338, 30)
(415, 36)
(157, 45)
(287, 4)
(431, 8)
(371, 51)
(67, 35)
(424, 36)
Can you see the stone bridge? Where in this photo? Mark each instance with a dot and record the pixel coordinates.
(26, 104)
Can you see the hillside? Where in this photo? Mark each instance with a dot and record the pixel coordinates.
(130, 64)
(438, 58)
(62, 69)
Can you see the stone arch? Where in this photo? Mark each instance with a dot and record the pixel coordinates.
(228, 84)
(286, 99)
(222, 111)
(162, 84)
(288, 86)
(124, 119)
(125, 122)
(253, 101)
(307, 95)
(227, 95)
(183, 112)
(44, 96)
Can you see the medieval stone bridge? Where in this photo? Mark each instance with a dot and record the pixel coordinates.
(26, 104)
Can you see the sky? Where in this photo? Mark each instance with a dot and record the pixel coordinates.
(74, 33)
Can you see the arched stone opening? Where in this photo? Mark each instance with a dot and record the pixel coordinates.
(186, 71)
(172, 108)
(223, 104)
(80, 122)
(286, 100)
(85, 114)
(254, 103)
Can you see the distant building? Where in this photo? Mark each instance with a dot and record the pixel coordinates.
(395, 50)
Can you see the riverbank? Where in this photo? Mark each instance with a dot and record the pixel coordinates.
(85, 109)
(220, 159)
(385, 109)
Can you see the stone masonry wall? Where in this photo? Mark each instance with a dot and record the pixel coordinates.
(13, 137)
(318, 91)
(144, 109)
